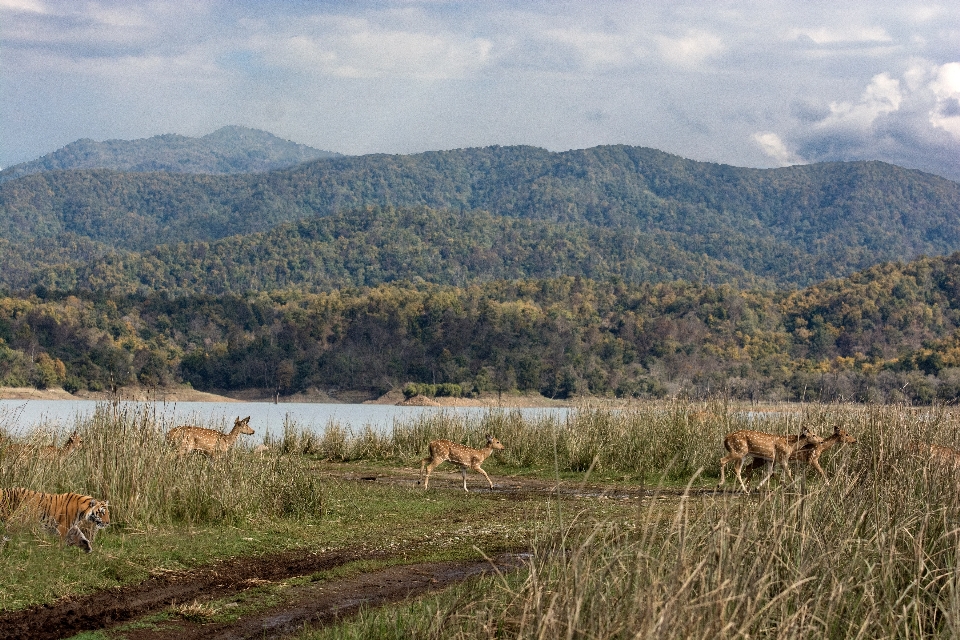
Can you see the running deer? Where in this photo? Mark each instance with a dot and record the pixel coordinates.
(208, 441)
(809, 453)
(766, 446)
(446, 451)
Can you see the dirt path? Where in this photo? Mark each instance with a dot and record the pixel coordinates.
(328, 602)
(107, 608)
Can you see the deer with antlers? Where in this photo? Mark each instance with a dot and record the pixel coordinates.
(208, 441)
(446, 451)
(765, 446)
(809, 453)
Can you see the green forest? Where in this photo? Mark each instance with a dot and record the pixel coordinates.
(889, 333)
(787, 227)
(614, 272)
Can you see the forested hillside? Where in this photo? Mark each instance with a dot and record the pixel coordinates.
(378, 245)
(888, 333)
(226, 150)
(792, 226)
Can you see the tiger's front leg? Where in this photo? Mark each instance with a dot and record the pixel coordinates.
(76, 538)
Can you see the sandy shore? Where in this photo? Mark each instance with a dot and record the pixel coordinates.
(178, 394)
(186, 394)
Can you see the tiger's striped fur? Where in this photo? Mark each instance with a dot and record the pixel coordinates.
(63, 512)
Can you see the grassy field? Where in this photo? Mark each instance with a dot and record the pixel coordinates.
(872, 553)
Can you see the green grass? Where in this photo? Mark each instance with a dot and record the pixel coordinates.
(362, 516)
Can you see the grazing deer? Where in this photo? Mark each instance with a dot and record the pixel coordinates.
(446, 451)
(809, 453)
(764, 446)
(208, 441)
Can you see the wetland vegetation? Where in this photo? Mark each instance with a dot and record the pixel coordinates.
(616, 513)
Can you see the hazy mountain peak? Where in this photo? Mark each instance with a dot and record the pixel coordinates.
(230, 149)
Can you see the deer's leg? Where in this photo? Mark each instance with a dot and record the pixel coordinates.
(738, 468)
(723, 466)
(754, 464)
(430, 468)
(477, 468)
(463, 472)
(423, 464)
(815, 462)
(784, 460)
(770, 469)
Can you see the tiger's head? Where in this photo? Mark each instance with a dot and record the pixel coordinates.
(98, 513)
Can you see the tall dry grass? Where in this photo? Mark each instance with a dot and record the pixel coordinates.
(125, 459)
(871, 554)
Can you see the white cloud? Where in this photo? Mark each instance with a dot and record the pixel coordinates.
(773, 146)
(946, 87)
(882, 96)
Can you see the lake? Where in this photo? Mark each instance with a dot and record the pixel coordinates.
(20, 417)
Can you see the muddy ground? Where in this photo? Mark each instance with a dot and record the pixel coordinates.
(314, 603)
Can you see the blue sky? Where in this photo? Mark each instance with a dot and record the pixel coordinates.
(758, 84)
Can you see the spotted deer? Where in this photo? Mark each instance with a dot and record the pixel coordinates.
(52, 451)
(23, 451)
(809, 453)
(446, 451)
(208, 441)
(765, 446)
(947, 456)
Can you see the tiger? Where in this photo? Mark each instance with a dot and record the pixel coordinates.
(63, 512)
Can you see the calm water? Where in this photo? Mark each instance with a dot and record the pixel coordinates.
(19, 417)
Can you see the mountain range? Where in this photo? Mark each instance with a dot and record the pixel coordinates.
(630, 212)
(611, 271)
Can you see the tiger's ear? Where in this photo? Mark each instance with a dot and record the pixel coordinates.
(93, 502)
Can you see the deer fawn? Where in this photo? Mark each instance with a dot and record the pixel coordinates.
(765, 446)
(446, 451)
(208, 441)
(810, 453)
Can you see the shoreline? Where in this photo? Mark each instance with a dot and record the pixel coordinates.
(312, 396)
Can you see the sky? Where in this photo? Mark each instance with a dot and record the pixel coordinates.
(756, 84)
